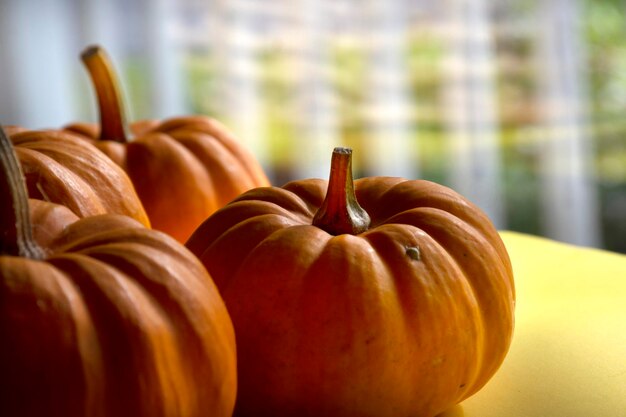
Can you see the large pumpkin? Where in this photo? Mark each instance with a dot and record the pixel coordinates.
(103, 317)
(400, 306)
(183, 168)
(62, 168)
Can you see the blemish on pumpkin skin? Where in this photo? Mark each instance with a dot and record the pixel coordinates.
(438, 360)
(413, 252)
(41, 190)
(370, 340)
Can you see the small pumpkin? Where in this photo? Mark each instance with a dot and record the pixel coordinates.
(62, 168)
(103, 317)
(183, 168)
(376, 297)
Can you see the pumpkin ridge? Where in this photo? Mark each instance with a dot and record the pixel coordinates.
(165, 296)
(48, 221)
(453, 219)
(86, 162)
(204, 125)
(72, 143)
(105, 237)
(86, 171)
(119, 250)
(49, 180)
(82, 129)
(440, 197)
(311, 192)
(215, 158)
(112, 299)
(472, 383)
(150, 160)
(258, 230)
(277, 235)
(431, 195)
(177, 122)
(440, 231)
(322, 340)
(260, 208)
(233, 214)
(244, 292)
(49, 294)
(371, 199)
(211, 127)
(286, 199)
(86, 339)
(380, 239)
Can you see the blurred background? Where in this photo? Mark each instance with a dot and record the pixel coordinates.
(517, 104)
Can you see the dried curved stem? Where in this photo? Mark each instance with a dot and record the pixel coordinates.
(16, 235)
(110, 104)
(340, 213)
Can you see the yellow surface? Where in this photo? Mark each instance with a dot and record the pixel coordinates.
(568, 355)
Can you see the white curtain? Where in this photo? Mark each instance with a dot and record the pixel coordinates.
(43, 84)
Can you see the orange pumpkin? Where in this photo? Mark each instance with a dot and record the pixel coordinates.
(62, 168)
(183, 169)
(400, 306)
(103, 317)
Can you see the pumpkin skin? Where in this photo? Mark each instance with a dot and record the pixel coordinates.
(183, 168)
(62, 168)
(101, 316)
(408, 317)
(116, 320)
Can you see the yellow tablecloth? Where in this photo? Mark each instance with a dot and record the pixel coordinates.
(568, 355)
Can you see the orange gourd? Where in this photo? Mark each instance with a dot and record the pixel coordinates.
(183, 168)
(62, 168)
(378, 297)
(103, 317)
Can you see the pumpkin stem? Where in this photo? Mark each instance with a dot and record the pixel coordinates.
(16, 235)
(103, 77)
(340, 212)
